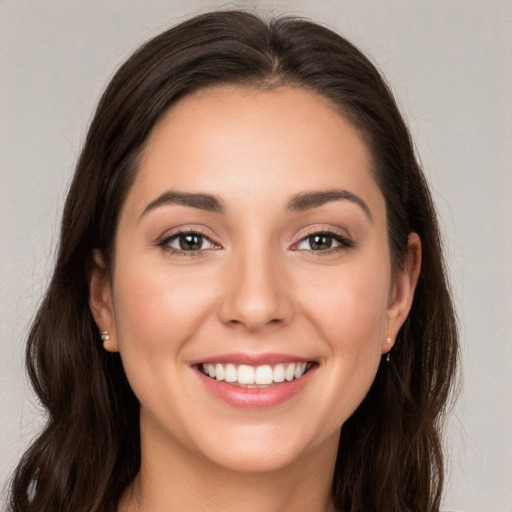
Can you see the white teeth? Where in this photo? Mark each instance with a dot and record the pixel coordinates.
(263, 375)
(230, 375)
(289, 373)
(246, 375)
(219, 372)
(279, 373)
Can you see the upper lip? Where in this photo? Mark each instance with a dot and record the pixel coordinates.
(252, 359)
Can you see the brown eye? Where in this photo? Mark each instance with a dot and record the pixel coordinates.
(323, 242)
(320, 242)
(190, 242)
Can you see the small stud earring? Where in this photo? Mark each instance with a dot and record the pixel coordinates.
(388, 357)
(105, 338)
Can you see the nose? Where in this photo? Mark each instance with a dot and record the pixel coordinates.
(257, 293)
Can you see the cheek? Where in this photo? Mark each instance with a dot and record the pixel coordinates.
(157, 312)
(351, 319)
(349, 307)
(158, 308)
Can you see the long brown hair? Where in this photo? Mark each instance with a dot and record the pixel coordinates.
(390, 456)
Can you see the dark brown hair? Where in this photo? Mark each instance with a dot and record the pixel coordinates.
(390, 456)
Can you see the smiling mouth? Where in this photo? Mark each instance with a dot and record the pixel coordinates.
(255, 376)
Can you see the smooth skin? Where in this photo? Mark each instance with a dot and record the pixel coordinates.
(267, 274)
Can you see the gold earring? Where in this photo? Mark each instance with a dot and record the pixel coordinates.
(388, 357)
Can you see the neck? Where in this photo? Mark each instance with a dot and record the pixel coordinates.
(173, 480)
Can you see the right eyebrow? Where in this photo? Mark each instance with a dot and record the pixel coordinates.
(205, 202)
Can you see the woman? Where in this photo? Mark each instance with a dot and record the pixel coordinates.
(231, 319)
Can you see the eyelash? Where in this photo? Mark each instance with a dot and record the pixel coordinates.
(342, 239)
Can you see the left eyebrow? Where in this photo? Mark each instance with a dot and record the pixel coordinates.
(308, 200)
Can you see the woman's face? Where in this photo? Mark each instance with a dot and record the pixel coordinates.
(252, 247)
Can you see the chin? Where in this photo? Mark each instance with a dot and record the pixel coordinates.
(255, 461)
(263, 450)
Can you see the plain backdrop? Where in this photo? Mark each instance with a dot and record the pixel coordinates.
(449, 64)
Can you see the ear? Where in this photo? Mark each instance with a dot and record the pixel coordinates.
(402, 291)
(100, 299)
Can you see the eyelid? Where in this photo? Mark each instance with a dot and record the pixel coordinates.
(324, 228)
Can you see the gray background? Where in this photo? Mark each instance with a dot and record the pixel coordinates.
(448, 62)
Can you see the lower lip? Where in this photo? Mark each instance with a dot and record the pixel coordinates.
(256, 398)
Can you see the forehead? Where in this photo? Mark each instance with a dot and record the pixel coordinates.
(254, 144)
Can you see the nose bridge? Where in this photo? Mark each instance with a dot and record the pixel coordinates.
(254, 292)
